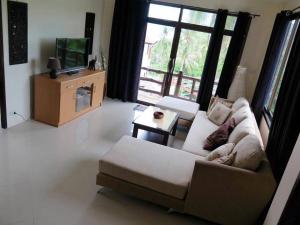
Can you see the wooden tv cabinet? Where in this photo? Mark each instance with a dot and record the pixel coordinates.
(58, 101)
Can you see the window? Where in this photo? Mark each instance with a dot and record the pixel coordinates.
(175, 51)
(280, 67)
(199, 17)
(164, 12)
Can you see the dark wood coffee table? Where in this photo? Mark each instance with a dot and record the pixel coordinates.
(165, 126)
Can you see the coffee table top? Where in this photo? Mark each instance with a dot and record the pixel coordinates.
(165, 124)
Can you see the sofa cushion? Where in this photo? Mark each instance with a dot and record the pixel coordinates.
(220, 136)
(239, 103)
(245, 128)
(219, 114)
(201, 128)
(241, 114)
(223, 150)
(249, 153)
(226, 159)
(156, 167)
(187, 110)
(215, 100)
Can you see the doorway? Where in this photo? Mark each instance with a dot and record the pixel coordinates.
(175, 49)
(2, 78)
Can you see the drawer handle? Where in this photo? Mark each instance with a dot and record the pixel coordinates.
(70, 86)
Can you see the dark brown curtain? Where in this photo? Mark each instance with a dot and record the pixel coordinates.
(211, 63)
(266, 76)
(234, 53)
(126, 48)
(285, 125)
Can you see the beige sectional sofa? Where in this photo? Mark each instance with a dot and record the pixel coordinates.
(185, 181)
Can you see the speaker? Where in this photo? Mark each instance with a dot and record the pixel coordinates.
(89, 29)
(17, 32)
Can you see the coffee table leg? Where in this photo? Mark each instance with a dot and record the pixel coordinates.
(166, 139)
(135, 131)
(174, 128)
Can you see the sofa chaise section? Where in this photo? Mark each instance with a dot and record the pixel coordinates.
(148, 165)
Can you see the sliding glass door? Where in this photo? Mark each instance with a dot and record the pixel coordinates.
(175, 50)
(189, 64)
(157, 50)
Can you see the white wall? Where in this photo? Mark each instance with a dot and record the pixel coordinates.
(47, 20)
(107, 16)
(291, 4)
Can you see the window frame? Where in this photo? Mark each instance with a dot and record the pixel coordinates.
(279, 72)
(182, 25)
(179, 26)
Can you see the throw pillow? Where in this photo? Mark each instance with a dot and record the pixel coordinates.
(241, 130)
(226, 160)
(219, 114)
(215, 100)
(241, 114)
(239, 104)
(249, 153)
(220, 136)
(221, 151)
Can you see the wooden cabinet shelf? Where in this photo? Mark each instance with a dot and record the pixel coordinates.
(58, 101)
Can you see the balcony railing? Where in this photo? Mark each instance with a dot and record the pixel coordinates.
(180, 76)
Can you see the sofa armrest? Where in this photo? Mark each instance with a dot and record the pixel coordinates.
(229, 195)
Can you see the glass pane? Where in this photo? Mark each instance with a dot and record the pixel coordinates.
(192, 52)
(224, 49)
(230, 22)
(199, 17)
(158, 46)
(83, 98)
(186, 89)
(148, 97)
(273, 103)
(151, 80)
(152, 75)
(164, 12)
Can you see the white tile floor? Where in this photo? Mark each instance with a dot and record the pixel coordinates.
(47, 174)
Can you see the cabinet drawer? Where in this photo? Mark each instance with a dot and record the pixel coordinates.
(85, 82)
(68, 86)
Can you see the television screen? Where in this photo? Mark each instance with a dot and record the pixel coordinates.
(72, 52)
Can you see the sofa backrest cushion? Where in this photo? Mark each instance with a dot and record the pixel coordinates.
(243, 129)
(219, 114)
(239, 103)
(241, 114)
(249, 153)
(215, 99)
(226, 159)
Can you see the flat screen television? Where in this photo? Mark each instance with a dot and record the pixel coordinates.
(73, 53)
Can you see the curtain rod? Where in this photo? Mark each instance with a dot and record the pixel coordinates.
(195, 8)
(295, 9)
